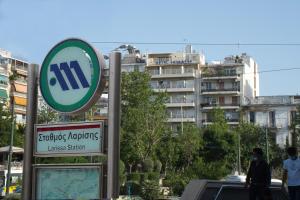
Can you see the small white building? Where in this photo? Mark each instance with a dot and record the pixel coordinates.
(274, 112)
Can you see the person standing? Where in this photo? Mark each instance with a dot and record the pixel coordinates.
(291, 174)
(258, 177)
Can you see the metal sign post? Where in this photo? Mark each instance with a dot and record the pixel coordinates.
(113, 125)
(71, 81)
(31, 116)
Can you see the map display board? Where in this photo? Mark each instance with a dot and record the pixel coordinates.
(72, 182)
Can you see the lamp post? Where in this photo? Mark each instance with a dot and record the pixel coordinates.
(239, 154)
(267, 141)
(10, 151)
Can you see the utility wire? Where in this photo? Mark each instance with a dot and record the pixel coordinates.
(278, 70)
(197, 43)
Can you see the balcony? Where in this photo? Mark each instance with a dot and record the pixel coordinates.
(217, 76)
(19, 94)
(220, 91)
(229, 121)
(173, 73)
(180, 104)
(21, 70)
(179, 119)
(3, 71)
(209, 106)
(174, 89)
(21, 81)
(20, 109)
(3, 85)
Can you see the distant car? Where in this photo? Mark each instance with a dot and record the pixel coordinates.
(236, 178)
(276, 181)
(242, 179)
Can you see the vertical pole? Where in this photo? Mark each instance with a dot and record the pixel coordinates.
(239, 154)
(181, 119)
(113, 125)
(267, 141)
(10, 151)
(31, 116)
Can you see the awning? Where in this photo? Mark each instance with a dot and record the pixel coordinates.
(14, 149)
(21, 88)
(3, 94)
(20, 101)
(3, 78)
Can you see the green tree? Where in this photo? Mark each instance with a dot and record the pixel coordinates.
(5, 124)
(219, 144)
(150, 190)
(252, 136)
(189, 144)
(295, 128)
(143, 118)
(46, 114)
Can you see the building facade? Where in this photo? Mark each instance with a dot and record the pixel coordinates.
(228, 84)
(273, 112)
(178, 74)
(13, 91)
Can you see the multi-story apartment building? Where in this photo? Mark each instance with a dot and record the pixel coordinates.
(273, 112)
(227, 84)
(178, 74)
(14, 89)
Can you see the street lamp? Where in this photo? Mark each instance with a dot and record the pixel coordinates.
(11, 80)
(266, 135)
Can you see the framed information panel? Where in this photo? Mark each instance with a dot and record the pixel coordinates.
(68, 182)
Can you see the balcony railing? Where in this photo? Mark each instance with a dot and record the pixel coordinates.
(22, 108)
(19, 94)
(219, 104)
(211, 120)
(168, 72)
(219, 89)
(178, 115)
(180, 101)
(219, 75)
(3, 71)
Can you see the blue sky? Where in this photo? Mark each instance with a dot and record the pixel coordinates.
(30, 28)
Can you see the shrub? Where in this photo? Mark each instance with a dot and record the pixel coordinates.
(153, 176)
(134, 177)
(132, 188)
(157, 166)
(13, 197)
(149, 190)
(148, 165)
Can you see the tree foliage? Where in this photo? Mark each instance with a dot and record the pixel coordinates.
(5, 128)
(143, 118)
(46, 114)
(219, 144)
(252, 136)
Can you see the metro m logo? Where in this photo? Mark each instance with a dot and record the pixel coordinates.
(67, 70)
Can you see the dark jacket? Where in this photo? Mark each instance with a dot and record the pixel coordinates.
(259, 174)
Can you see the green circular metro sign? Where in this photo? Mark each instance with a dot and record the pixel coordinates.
(71, 77)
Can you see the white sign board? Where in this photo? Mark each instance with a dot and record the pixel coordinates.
(69, 139)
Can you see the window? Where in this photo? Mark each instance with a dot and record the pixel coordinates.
(272, 120)
(234, 100)
(153, 84)
(293, 116)
(252, 117)
(221, 100)
(189, 84)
